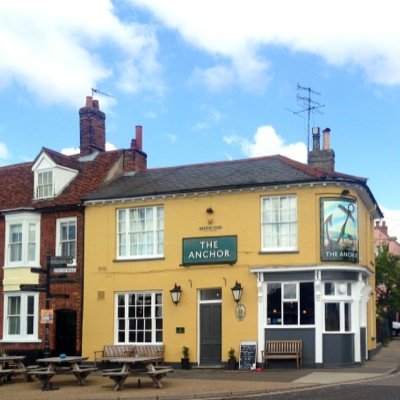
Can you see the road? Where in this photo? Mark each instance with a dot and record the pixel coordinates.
(382, 388)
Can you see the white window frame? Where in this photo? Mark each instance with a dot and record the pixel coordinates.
(126, 318)
(124, 233)
(278, 222)
(58, 250)
(30, 224)
(22, 336)
(45, 190)
(342, 295)
(287, 299)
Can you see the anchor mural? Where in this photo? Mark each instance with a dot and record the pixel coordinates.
(339, 230)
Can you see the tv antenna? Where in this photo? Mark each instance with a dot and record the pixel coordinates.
(309, 105)
(99, 92)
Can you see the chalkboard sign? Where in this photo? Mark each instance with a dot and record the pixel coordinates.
(248, 355)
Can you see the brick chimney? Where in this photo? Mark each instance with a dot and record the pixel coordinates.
(135, 159)
(322, 159)
(92, 128)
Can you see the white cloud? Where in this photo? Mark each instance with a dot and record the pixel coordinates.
(58, 50)
(69, 151)
(4, 153)
(267, 142)
(343, 33)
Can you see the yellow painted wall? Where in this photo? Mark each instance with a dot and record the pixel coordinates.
(236, 213)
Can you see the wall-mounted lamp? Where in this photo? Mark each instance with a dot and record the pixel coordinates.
(237, 291)
(176, 292)
(209, 210)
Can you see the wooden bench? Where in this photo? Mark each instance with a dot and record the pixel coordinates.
(81, 373)
(118, 376)
(158, 374)
(44, 375)
(5, 375)
(283, 350)
(121, 350)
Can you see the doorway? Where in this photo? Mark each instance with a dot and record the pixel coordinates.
(65, 335)
(210, 327)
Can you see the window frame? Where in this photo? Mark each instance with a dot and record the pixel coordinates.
(277, 224)
(48, 188)
(286, 302)
(123, 235)
(30, 225)
(340, 293)
(58, 250)
(23, 336)
(154, 306)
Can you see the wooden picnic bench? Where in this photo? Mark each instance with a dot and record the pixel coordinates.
(44, 375)
(5, 375)
(283, 350)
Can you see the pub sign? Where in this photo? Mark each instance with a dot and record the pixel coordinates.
(210, 250)
(339, 230)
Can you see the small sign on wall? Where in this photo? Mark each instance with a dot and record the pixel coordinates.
(46, 316)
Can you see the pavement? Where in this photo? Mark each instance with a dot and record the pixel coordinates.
(199, 383)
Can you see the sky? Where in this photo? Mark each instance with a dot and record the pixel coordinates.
(208, 80)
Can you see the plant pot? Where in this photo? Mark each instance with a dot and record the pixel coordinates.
(185, 363)
(231, 364)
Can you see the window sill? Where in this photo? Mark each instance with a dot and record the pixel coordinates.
(15, 340)
(268, 252)
(122, 260)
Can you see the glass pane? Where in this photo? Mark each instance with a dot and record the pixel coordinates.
(347, 317)
(274, 314)
(289, 291)
(332, 317)
(211, 294)
(307, 303)
(329, 288)
(290, 313)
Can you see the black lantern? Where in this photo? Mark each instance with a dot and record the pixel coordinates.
(176, 294)
(237, 291)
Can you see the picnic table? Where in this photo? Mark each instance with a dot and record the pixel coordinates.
(11, 365)
(55, 365)
(130, 365)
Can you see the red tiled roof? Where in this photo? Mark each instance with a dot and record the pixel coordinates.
(16, 181)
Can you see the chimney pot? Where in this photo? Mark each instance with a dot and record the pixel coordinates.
(89, 101)
(139, 137)
(327, 136)
(315, 137)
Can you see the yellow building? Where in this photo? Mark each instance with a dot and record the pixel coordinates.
(296, 239)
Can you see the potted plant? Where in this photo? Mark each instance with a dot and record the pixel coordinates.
(185, 358)
(232, 364)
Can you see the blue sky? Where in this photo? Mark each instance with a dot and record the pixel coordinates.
(208, 80)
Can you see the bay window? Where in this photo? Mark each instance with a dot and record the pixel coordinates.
(337, 306)
(290, 303)
(20, 316)
(22, 239)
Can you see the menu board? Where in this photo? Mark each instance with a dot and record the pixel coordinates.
(248, 355)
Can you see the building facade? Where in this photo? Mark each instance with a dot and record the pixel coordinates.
(296, 240)
(41, 218)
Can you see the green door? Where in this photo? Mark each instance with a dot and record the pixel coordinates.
(210, 334)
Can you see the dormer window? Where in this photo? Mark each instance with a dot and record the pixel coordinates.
(45, 184)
